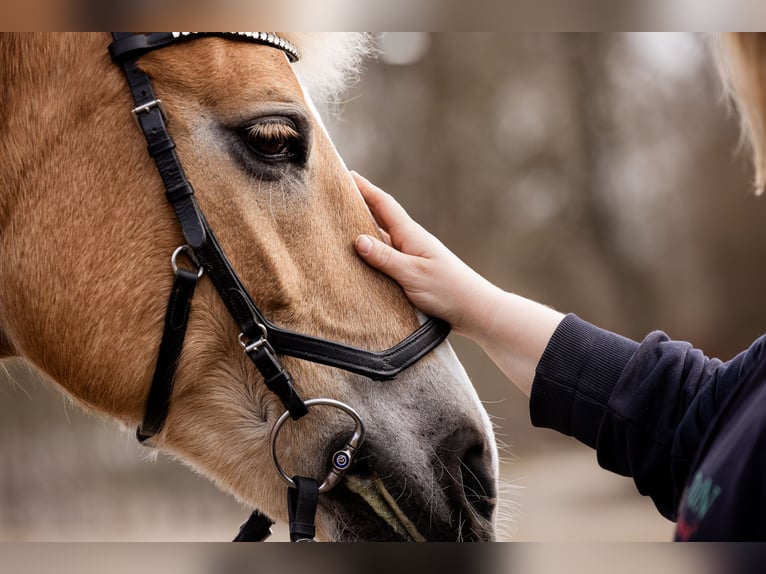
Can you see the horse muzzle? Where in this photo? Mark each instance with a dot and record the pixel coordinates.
(452, 498)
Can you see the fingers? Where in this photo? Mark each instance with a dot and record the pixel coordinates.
(381, 256)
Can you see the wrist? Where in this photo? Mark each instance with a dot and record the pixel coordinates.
(479, 316)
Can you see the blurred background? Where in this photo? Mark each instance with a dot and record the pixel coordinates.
(597, 173)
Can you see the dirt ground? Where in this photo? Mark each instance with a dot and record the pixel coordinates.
(563, 496)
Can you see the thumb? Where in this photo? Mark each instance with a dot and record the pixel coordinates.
(379, 255)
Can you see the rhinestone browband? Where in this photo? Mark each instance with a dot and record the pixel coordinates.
(264, 37)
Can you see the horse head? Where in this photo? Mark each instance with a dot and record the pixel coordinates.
(86, 235)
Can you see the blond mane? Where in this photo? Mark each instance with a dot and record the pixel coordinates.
(742, 62)
(329, 61)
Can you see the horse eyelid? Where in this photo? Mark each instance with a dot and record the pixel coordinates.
(291, 134)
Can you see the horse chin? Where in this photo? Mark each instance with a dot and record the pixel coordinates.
(370, 510)
(373, 492)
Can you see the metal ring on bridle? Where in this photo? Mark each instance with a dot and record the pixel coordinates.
(187, 250)
(341, 460)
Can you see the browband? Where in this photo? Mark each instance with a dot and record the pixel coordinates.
(134, 45)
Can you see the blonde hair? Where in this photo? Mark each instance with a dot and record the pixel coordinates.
(743, 65)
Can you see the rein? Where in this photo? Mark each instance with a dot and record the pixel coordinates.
(262, 341)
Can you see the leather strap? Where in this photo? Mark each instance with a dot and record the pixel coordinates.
(302, 507)
(173, 333)
(150, 117)
(378, 366)
(256, 528)
(276, 378)
(200, 238)
(131, 46)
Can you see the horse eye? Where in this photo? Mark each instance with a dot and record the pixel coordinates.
(272, 140)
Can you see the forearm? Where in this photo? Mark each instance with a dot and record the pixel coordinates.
(643, 407)
(514, 333)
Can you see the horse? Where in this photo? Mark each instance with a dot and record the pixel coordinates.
(740, 65)
(86, 237)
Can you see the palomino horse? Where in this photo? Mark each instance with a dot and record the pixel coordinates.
(86, 234)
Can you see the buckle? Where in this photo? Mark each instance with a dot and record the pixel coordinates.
(146, 108)
(258, 343)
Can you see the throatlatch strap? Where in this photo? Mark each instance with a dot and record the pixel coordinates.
(176, 319)
(257, 528)
(302, 507)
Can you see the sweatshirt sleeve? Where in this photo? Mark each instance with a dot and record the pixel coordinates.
(643, 406)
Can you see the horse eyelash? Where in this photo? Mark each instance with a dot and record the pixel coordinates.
(274, 131)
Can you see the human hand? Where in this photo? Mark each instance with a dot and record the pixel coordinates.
(432, 277)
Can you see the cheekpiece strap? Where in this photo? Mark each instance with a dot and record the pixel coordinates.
(151, 118)
(302, 507)
(173, 334)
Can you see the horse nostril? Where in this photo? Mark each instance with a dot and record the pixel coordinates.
(469, 481)
(478, 481)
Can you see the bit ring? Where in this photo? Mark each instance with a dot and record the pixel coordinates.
(341, 460)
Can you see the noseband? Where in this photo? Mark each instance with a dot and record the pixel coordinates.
(262, 341)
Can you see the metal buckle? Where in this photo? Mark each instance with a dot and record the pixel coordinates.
(341, 460)
(253, 345)
(147, 107)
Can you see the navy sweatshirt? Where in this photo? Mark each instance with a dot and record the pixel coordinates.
(691, 431)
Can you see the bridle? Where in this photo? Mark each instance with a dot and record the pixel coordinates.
(262, 341)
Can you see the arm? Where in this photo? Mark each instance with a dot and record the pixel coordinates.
(512, 330)
(644, 407)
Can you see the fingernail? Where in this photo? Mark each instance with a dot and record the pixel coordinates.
(363, 244)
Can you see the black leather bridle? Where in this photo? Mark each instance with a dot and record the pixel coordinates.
(263, 341)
